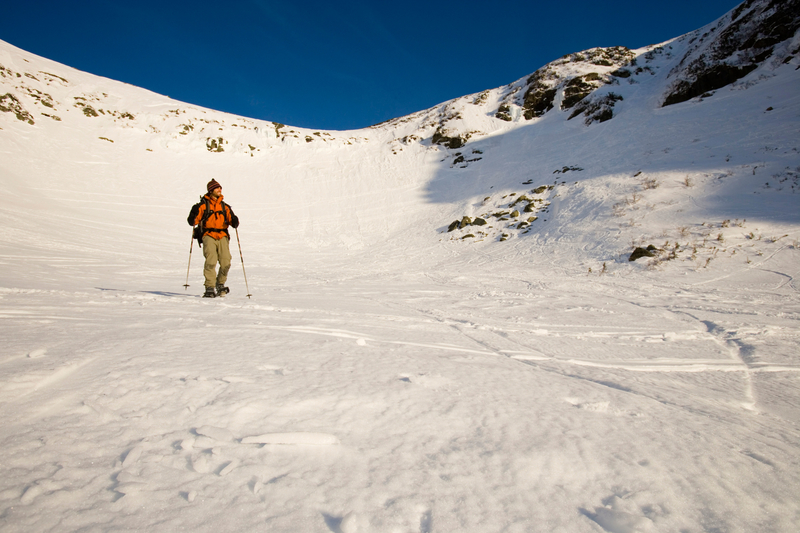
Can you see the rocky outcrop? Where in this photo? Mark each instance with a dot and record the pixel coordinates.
(11, 104)
(596, 108)
(576, 76)
(640, 252)
(540, 96)
(452, 140)
(733, 49)
(579, 88)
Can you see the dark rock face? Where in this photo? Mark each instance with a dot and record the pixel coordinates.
(706, 80)
(640, 252)
(504, 113)
(542, 86)
(768, 23)
(596, 108)
(723, 56)
(539, 97)
(756, 32)
(579, 88)
(538, 101)
(451, 141)
(609, 57)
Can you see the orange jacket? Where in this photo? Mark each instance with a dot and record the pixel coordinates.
(216, 225)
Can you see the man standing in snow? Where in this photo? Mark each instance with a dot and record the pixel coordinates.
(212, 217)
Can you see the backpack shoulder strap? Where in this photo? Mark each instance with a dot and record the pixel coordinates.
(226, 213)
(206, 211)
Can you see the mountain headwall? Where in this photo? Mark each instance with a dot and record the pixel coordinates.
(752, 34)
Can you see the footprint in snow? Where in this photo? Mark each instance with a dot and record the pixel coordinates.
(277, 370)
(600, 407)
(621, 513)
(428, 381)
(615, 521)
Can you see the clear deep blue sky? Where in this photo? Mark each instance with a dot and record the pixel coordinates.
(333, 65)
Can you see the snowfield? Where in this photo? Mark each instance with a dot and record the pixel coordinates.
(387, 374)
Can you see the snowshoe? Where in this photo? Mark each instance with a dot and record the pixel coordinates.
(210, 293)
(222, 290)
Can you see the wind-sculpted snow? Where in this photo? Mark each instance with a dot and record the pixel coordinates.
(468, 402)
(521, 372)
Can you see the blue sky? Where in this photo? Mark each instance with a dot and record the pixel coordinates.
(333, 65)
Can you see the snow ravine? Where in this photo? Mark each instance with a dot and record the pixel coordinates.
(387, 374)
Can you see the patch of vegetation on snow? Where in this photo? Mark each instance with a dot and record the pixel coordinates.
(508, 220)
(11, 104)
(215, 144)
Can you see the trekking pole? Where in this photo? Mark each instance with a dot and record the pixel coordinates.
(191, 244)
(242, 258)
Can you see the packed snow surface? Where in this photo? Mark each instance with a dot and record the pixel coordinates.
(386, 374)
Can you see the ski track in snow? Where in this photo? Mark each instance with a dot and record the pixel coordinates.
(250, 421)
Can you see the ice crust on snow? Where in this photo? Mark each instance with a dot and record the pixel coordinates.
(389, 375)
(215, 433)
(316, 439)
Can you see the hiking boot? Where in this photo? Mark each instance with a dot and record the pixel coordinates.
(210, 293)
(222, 290)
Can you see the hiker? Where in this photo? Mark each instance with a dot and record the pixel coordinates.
(212, 216)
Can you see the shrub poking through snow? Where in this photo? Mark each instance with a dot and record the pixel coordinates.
(215, 144)
(89, 111)
(501, 219)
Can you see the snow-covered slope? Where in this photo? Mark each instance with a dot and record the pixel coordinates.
(599, 111)
(446, 332)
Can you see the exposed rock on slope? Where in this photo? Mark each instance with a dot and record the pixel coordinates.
(591, 83)
(751, 34)
(597, 108)
(544, 84)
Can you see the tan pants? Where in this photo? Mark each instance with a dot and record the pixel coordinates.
(216, 251)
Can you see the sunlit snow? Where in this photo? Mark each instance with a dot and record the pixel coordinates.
(386, 374)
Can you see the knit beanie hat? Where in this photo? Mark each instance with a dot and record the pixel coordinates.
(213, 185)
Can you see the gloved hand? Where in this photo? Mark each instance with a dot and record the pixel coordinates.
(234, 221)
